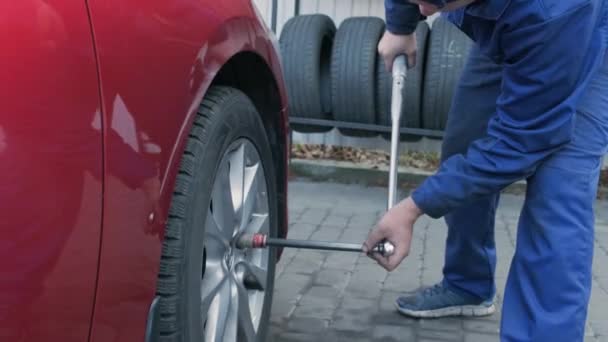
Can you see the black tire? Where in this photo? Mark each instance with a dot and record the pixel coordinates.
(353, 69)
(306, 43)
(225, 115)
(448, 51)
(412, 91)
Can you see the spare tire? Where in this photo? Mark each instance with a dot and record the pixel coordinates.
(353, 69)
(306, 43)
(412, 90)
(448, 51)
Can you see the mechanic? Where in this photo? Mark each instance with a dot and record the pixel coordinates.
(531, 104)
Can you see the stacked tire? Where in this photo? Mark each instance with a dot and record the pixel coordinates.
(306, 42)
(447, 54)
(353, 72)
(337, 74)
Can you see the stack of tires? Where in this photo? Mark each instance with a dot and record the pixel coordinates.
(337, 74)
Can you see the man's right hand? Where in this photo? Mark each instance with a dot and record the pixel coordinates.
(391, 45)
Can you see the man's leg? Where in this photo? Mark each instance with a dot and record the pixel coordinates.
(470, 256)
(470, 259)
(549, 281)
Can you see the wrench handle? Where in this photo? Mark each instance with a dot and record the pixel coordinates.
(399, 74)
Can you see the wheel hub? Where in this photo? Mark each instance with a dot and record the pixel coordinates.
(229, 258)
(233, 285)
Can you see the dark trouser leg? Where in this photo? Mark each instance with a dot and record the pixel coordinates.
(470, 256)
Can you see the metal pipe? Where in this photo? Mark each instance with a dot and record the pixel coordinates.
(273, 19)
(255, 241)
(365, 127)
(399, 73)
(320, 245)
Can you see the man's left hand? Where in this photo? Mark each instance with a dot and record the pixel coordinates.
(396, 226)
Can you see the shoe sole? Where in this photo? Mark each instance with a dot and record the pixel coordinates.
(461, 310)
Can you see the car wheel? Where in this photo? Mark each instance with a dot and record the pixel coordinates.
(209, 290)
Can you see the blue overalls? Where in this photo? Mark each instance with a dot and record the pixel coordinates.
(532, 104)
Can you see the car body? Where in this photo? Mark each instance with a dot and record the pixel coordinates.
(98, 98)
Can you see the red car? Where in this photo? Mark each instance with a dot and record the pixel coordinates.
(137, 139)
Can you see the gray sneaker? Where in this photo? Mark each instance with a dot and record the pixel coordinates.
(439, 301)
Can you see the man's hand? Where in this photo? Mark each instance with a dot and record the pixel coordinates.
(396, 226)
(392, 45)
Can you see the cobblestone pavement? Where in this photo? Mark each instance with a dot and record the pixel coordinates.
(332, 296)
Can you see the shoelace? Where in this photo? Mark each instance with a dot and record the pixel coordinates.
(436, 289)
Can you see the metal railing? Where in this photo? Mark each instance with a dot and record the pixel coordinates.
(365, 127)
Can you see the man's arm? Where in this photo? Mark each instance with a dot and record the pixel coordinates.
(543, 69)
(401, 16)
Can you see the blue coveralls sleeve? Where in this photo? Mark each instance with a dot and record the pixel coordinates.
(401, 16)
(543, 68)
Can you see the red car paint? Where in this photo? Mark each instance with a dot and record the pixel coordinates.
(97, 98)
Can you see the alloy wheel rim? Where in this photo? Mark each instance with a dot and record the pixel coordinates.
(234, 281)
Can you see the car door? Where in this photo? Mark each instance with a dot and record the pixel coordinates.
(50, 171)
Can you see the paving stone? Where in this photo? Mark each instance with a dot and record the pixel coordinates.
(477, 337)
(358, 305)
(364, 260)
(312, 255)
(317, 308)
(335, 221)
(588, 330)
(291, 283)
(353, 322)
(366, 221)
(600, 264)
(344, 336)
(319, 302)
(370, 270)
(394, 333)
(402, 282)
(364, 286)
(326, 234)
(362, 291)
(294, 337)
(301, 230)
(349, 297)
(597, 310)
(294, 212)
(387, 300)
(307, 324)
(482, 326)
(313, 216)
(600, 326)
(333, 278)
(341, 261)
(350, 235)
(442, 324)
(283, 306)
(304, 265)
(393, 317)
(287, 255)
(441, 334)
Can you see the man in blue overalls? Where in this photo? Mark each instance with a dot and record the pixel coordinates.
(532, 104)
